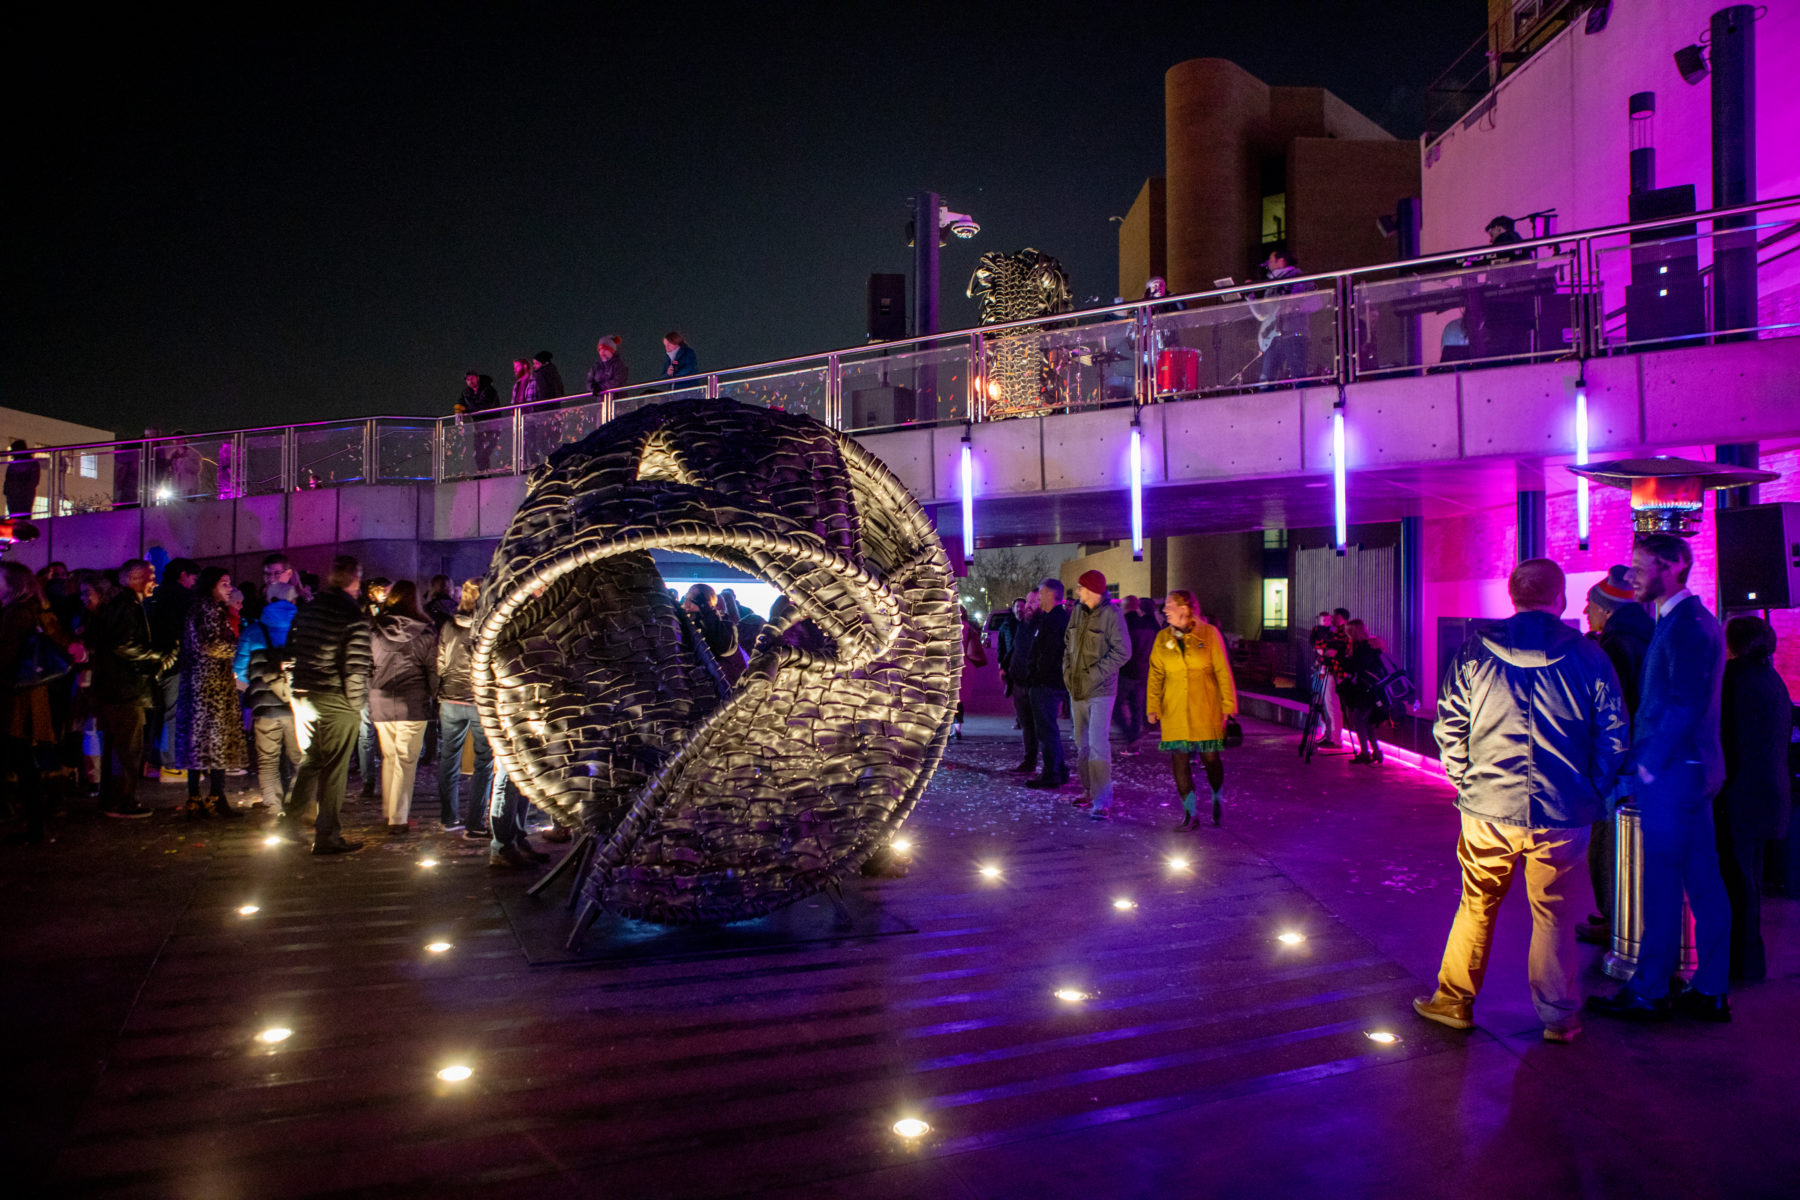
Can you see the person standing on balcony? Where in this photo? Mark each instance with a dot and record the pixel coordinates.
(22, 476)
(1501, 231)
(478, 394)
(682, 359)
(609, 371)
(1531, 730)
(1281, 332)
(524, 386)
(329, 643)
(547, 378)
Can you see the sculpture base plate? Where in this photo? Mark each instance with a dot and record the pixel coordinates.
(540, 927)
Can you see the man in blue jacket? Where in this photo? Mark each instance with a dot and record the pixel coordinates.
(1677, 767)
(1531, 729)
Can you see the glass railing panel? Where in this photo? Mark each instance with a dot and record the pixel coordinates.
(806, 390)
(1059, 367)
(631, 399)
(478, 445)
(193, 468)
(328, 455)
(86, 480)
(1245, 340)
(1496, 310)
(265, 454)
(1692, 284)
(404, 450)
(910, 386)
(548, 427)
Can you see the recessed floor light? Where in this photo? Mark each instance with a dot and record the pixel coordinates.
(1382, 1036)
(428, 862)
(990, 871)
(1178, 863)
(1070, 995)
(455, 1074)
(911, 1127)
(274, 1034)
(902, 845)
(1123, 903)
(271, 840)
(246, 909)
(437, 947)
(1290, 938)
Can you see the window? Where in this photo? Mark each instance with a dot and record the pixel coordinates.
(90, 466)
(1275, 604)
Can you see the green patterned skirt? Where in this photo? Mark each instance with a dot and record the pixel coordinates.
(1206, 747)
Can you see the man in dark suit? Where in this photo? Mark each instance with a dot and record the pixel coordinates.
(1677, 766)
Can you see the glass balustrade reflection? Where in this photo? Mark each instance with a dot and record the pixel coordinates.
(910, 386)
(265, 462)
(1243, 341)
(329, 455)
(193, 468)
(1496, 310)
(548, 426)
(405, 450)
(1057, 367)
(82, 480)
(806, 390)
(478, 444)
(630, 399)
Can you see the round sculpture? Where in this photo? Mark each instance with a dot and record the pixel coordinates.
(701, 802)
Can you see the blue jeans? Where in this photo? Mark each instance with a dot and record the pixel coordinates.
(1681, 853)
(456, 722)
(506, 813)
(1093, 750)
(1046, 709)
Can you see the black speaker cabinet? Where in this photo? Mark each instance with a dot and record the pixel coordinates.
(887, 308)
(1759, 556)
(880, 407)
(1665, 302)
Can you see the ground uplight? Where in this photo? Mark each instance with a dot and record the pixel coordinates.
(271, 840)
(1124, 903)
(437, 947)
(245, 910)
(911, 1127)
(274, 1034)
(1291, 938)
(1382, 1037)
(1070, 995)
(455, 1074)
(1178, 863)
(428, 862)
(990, 871)
(902, 845)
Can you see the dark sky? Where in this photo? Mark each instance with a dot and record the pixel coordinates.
(221, 224)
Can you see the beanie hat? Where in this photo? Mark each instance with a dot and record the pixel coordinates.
(1093, 581)
(1612, 592)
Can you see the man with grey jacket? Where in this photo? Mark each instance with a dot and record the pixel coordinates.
(1093, 652)
(1532, 731)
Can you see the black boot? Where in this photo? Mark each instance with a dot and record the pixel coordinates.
(221, 807)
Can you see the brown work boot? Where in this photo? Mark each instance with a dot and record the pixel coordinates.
(1445, 1012)
(508, 858)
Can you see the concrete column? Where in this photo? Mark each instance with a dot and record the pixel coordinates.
(1412, 600)
(1533, 536)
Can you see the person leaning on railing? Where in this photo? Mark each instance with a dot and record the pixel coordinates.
(682, 359)
(609, 371)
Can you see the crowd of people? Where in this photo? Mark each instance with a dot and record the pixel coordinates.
(1351, 676)
(1546, 734)
(538, 380)
(1134, 663)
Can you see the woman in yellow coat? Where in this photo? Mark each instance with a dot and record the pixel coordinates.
(1191, 693)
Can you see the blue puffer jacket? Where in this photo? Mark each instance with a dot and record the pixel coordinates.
(259, 659)
(1531, 725)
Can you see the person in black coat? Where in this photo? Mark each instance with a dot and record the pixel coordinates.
(548, 378)
(478, 393)
(328, 645)
(609, 370)
(1043, 676)
(1756, 721)
(125, 665)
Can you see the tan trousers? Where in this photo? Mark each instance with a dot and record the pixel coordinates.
(401, 744)
(1554, 860)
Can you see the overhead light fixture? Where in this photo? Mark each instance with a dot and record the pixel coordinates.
(1690, 60)
(968, 498)
(1137, 490)
(1582, 500)
(1338, 482)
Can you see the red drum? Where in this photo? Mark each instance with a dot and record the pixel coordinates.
(1178, 371)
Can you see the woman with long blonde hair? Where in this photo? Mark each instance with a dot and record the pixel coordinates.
(1190, 693)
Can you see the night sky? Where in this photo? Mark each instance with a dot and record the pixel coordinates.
(221, 224)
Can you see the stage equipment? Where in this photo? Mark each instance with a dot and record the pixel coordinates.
(1690, 60)
(887, 308)
(700, 801)
(1665, 492)
(1017, 287)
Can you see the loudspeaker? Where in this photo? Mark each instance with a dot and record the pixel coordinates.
(1665, 302)
(880, 407)
(887, 308)
(1759, 556)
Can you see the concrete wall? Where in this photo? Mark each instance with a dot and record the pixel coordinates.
(1556, 133)
(1224, 571)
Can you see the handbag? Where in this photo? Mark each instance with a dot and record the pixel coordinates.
(42, 661)
(1234, 733)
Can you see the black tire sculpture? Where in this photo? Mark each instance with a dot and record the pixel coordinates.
(701, 802)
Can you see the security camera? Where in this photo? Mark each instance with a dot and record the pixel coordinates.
(960, 224)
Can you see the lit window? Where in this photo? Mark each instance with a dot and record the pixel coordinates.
(90, 466)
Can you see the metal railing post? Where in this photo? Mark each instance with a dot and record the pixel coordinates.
(518, 441)
(978, 384)
(54, 498)
(834, 391)
(290, 460)
(1143, 366)
(368, 451)
(437, 449)
(712, 387)
(1344, 320)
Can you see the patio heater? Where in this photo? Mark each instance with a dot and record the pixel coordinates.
(1667, 496)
